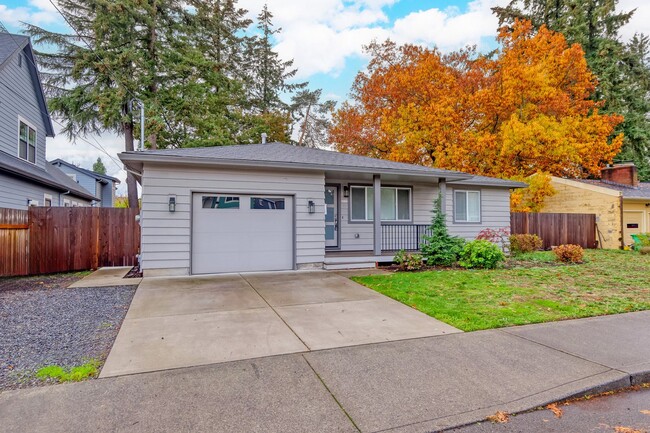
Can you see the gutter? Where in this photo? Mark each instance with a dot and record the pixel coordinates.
(140, 158)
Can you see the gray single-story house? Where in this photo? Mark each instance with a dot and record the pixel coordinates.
(273, 206)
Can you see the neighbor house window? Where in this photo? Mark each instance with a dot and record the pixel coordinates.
(47, 200)
(467, 206)
(395, 203)
(27, 142)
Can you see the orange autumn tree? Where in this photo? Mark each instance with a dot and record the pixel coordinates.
(522, 111)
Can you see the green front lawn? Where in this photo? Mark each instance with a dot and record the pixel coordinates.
(528, 290)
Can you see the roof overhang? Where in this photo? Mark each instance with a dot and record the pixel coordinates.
(136, 160)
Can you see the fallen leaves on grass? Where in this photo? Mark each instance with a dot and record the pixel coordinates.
(499, 417)
(556, 410)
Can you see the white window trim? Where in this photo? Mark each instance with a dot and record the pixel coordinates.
(480, 206)
(47, 197)
(31, 125)
(367, 220)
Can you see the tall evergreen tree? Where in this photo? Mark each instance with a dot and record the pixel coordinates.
(620, 68)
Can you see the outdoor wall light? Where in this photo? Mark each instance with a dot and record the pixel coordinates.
(311, 206)
(172, 203)
(346, 191)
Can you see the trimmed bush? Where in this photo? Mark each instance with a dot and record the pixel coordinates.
(408, 261)
(481, 254)
(525, 243)
(569, 253)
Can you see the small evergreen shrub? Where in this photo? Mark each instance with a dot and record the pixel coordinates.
(569, 253)
(481, 254)
(525, 243)
(408, 261)
(440, 248)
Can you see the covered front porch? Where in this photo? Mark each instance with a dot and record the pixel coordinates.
(355, 238)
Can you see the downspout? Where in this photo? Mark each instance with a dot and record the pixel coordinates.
(61, 195)
(622, 226)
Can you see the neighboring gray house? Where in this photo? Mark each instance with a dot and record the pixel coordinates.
(275, 206)
(26, 178)
(99, 185)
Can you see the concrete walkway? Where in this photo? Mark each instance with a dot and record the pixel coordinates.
(199, 320)
(107, 277)
(417, 385)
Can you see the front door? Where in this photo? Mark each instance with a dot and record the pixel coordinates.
(331, 216)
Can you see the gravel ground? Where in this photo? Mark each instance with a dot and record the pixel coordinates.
(44, 323)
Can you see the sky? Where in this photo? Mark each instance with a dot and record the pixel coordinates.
(325, 38)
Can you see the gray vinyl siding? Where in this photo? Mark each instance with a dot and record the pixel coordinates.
(85, 181)
(20, 101)
(495, 211)
(166, 237)
(15, 192)
(108, 194)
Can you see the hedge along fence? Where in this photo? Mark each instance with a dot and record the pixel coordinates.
(557, 228)
(44, 240)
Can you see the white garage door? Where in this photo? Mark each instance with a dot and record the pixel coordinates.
(237, 232)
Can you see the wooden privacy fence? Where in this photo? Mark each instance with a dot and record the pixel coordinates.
(44, 240)
(557, 228)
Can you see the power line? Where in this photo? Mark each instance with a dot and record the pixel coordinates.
(162, 112)
(75, 136)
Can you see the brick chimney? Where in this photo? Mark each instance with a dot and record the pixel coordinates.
(624, 173)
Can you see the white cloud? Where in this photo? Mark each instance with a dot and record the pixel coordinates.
(640, 20)
(40, 12)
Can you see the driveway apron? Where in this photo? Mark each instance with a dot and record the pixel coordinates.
(190, 321)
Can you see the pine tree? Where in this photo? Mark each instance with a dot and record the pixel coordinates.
(312, 117)
(267, 76)
(620, 68)
(99, 167)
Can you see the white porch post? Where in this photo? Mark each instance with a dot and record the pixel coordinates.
(376, 181)
(442, 184)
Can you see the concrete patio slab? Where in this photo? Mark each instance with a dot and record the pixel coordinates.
(107, 277)
(619, 341)
(169, 301)
(158, 343)
(340, 324)
(279, 394)
(432, 383)
(308, 288)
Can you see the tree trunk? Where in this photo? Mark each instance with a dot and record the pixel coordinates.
(304, 126)
(131, 185)
(153, 87)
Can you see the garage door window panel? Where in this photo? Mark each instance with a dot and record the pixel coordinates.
(267, 203)
(220, 202)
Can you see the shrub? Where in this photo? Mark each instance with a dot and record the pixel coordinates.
(498, 236)
(525, 243)
(408, 261)
(644, 250)
(481, 254)
(440, 248)
(569, 253)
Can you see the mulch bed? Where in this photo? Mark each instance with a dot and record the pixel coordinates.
(44, 323)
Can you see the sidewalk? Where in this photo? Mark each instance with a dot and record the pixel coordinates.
(416, 385)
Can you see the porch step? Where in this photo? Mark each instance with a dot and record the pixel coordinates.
(355, 265)
(331, 260)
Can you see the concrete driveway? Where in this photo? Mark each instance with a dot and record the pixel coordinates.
(190, 321)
